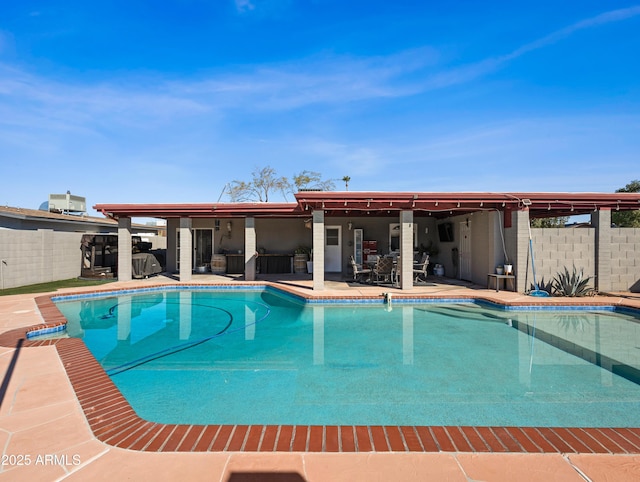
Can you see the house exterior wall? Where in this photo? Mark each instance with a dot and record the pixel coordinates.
(377, 229)
(40, 256)
(280, 236)
(554, 248)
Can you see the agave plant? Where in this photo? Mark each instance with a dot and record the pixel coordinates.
(571, 284)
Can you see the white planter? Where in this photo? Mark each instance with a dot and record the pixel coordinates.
(499, 270)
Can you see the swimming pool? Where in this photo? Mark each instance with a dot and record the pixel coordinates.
(259, 357)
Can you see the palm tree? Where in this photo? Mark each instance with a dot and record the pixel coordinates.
(346, 180)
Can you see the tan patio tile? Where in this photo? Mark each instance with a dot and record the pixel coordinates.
(32, 472)
(53, 436)
(387, 467)
(520, 467)
(38, 380)
(41, 391)
(608, 468)
(25, 419)
(118, 464)
(52, 466)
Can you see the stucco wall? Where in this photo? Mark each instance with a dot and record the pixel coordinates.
(30, 257)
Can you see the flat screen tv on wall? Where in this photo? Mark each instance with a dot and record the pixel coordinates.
(445, 232)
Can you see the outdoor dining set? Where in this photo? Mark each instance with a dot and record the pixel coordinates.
(386, 270)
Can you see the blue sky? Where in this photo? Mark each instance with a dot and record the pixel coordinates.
(130, 101)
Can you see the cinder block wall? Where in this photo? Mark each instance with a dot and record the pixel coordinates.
(557, 248)
(30, 257)
(625, 259)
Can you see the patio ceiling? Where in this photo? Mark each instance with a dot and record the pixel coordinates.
(439, 205)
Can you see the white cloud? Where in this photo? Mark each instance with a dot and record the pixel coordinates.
(245, 5)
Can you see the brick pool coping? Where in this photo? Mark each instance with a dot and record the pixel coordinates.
(113, 420)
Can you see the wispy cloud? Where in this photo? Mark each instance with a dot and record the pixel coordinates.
(245, 5)
(338, 79)
(469, 72)
(602, 19)
(324, 79)
(35, 100)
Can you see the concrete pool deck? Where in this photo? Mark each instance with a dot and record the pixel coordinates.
(46, 434)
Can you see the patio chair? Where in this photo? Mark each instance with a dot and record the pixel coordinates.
(420, 269)
(383, 269)
(396, 270)
(359, 271)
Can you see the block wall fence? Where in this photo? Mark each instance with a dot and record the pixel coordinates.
(557, 248)
(40, 256)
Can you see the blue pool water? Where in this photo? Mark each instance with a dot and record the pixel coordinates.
(261, 357)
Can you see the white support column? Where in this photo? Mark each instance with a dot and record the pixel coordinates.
(186, 250)
(407, 335)
(318, 335)
(123, 315)
(186, 302)
(318, 250)
(124, 249)
(249, 249)
(249, 323)
(405, 264)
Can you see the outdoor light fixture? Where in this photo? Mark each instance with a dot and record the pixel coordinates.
(350, 225)
(217, 224)
(229, 226)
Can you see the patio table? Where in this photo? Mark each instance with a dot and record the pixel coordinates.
(498, 277)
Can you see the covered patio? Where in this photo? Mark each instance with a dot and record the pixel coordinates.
(471, 232)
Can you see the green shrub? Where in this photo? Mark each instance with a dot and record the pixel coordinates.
(572, 284)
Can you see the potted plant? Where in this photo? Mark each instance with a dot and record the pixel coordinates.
(310, 262)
